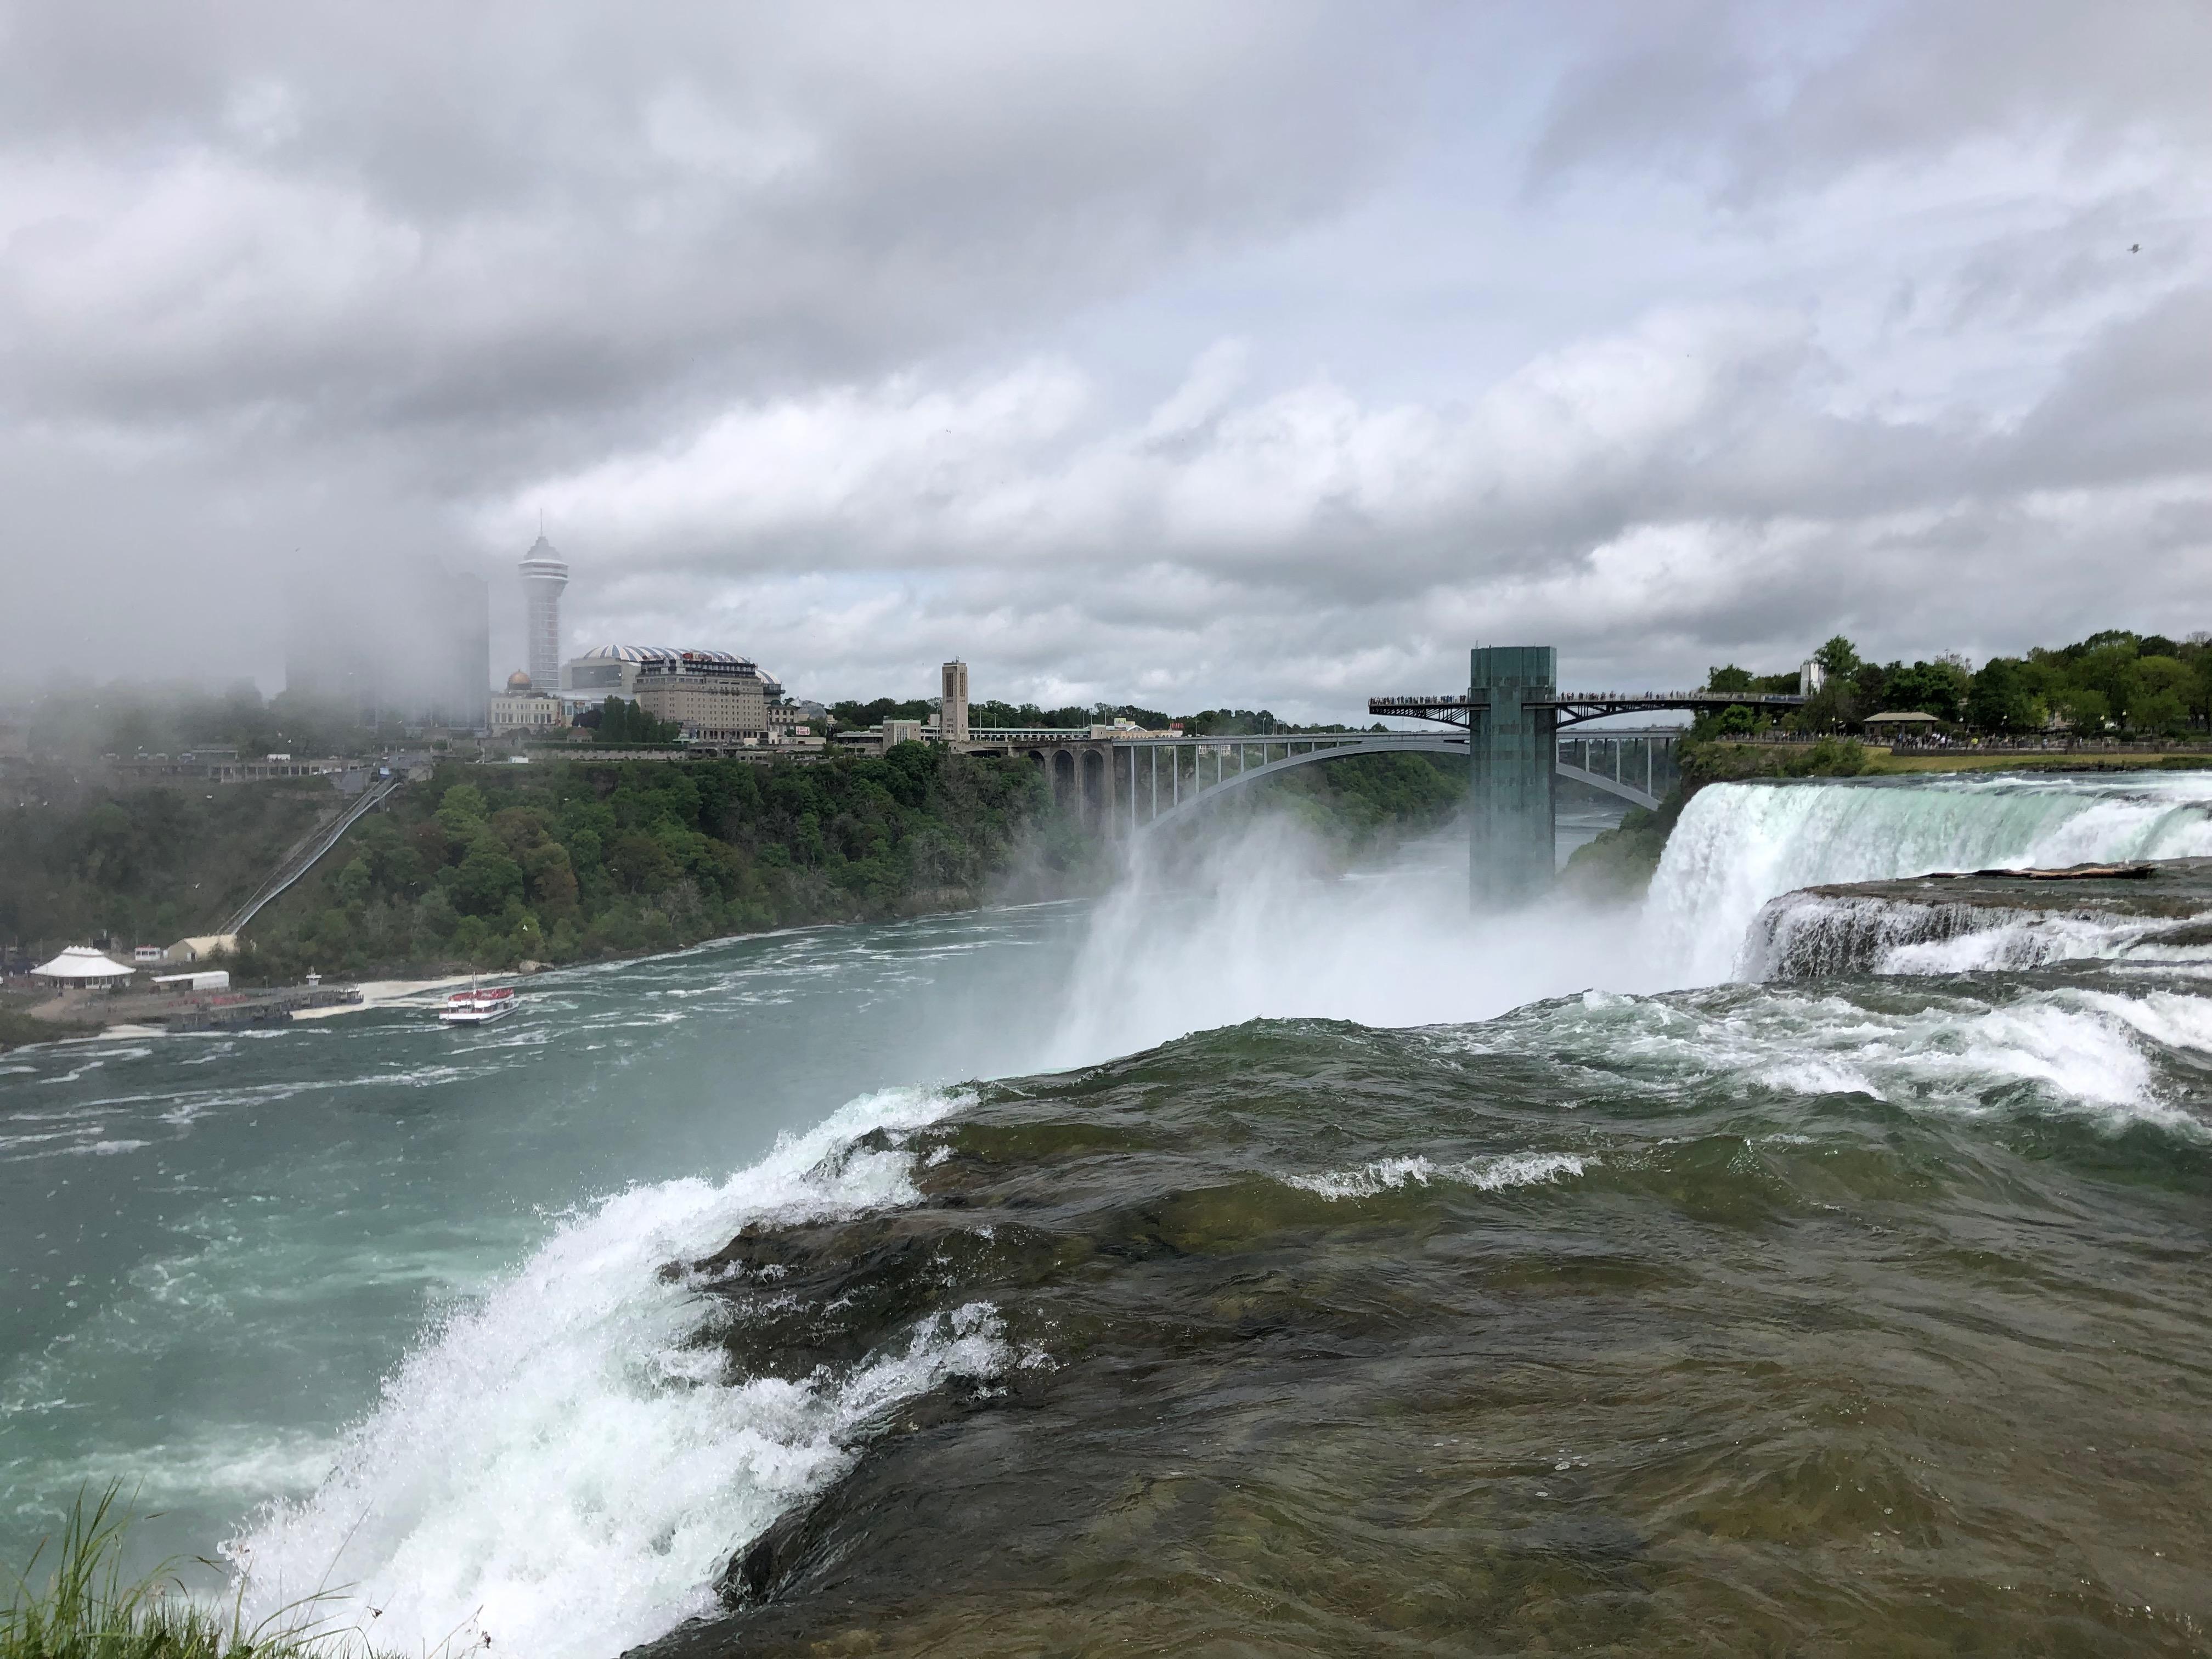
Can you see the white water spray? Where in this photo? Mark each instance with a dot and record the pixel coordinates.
(564, 1468)
(1739, 845)
(1253, 925)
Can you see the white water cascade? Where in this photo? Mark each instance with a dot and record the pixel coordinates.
(1739, 845)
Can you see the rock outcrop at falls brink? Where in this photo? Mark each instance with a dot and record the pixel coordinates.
(1986, 919)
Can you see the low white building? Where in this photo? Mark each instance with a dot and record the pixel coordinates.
(80, 965)
(215, 979)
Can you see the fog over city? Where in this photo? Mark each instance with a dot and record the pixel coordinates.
(1194, 354)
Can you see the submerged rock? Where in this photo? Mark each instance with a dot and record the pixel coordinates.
(1986, 919)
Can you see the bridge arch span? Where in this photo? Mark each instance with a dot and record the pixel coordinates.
(1627, 792)
(1395, 743)
(1411, 743)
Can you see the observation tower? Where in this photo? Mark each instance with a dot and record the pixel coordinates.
(543, 576)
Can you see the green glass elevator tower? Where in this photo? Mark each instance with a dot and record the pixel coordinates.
(1511, 687)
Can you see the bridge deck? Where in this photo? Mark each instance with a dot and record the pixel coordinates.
(1572, 708)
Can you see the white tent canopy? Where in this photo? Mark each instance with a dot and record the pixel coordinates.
(82, 965)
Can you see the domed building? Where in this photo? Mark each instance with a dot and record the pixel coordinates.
(524, 710)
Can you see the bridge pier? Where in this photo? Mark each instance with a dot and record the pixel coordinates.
(1512, 693)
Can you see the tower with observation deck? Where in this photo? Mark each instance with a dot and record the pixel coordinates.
(544, 573)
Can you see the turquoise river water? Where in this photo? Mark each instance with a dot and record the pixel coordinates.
(1256, 1262)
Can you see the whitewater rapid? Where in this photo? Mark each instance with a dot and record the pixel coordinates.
(564, 1468)
(1739, 846)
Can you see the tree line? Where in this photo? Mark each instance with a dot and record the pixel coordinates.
(2115, 682)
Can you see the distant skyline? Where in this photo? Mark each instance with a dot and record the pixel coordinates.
(1193, 354)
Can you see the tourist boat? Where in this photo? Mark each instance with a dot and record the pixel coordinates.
(477, 1007)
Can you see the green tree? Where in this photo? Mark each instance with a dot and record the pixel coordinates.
(2002, 698)
(462, 810)
(1730, 678)
(550, 878)
(627, 723)
(353, 883)
(486, 879)
(2158, 695)
(2107, 668)
(640, 862)
(1926, 688)
(1838, 658)
(2086, 708)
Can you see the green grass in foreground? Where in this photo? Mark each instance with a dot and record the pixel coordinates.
(87, 1609)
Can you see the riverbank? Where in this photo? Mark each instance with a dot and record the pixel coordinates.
(20, 1027)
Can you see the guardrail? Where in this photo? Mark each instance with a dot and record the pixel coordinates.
(2050, 746)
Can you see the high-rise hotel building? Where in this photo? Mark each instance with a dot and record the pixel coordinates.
(714, 696)
(543, 576)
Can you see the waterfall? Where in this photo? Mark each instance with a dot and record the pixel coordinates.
(1739, 845)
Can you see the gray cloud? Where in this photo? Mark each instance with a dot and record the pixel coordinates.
(462, 215)
(791, 319)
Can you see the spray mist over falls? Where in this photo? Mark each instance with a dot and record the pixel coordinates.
(1252, 924)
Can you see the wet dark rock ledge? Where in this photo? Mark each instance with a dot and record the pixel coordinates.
(1986, 919)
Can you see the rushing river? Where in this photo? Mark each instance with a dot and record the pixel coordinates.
(1251, 1262)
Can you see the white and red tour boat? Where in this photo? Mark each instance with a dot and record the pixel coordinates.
(476, 1006)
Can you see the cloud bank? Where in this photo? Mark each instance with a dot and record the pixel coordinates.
(1228, 353)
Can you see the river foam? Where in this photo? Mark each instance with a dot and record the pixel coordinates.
(2114, 1060)
(1488, 1174)
(1739, 845)
(564, 1467)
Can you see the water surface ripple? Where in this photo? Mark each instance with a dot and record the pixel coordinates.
(1615, 1325)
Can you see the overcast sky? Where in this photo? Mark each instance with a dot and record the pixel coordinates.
(1251, 353)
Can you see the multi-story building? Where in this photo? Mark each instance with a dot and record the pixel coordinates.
(521, 708)
(611, 671)
(714, 696)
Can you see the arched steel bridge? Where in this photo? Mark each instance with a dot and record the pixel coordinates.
(1140, 784)
(1512, 714)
